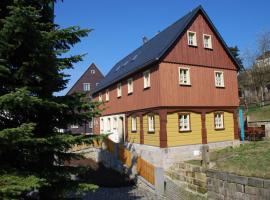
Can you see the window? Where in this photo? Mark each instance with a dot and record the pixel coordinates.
(93, 71)
(74, 126)
(119, 90)
(192, 41)
(207, 41)
(151, 123)
(107, 97)
(219, 123)
(97, 84)
(184, 122)
(133, 124)
(109, 124)
(114, 123)
(146, 79)
(184, 76)
(91, 123)
(86, 86)
(102, 125)
(130, 86)
(219, 79)
(100, 97)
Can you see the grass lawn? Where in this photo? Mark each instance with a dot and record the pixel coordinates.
(259, 113)
(251, 159)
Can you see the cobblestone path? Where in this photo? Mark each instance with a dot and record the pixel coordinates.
(124, 193)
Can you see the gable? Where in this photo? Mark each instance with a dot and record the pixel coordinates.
(217, 57)
(92, 75)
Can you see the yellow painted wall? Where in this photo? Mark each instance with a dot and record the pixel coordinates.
(176, 138)
(151, 138)
(220, 135)
(134, 137)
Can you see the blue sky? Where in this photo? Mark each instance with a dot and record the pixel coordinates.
(119, 25)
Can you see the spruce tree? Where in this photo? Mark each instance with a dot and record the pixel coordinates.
(32, 63)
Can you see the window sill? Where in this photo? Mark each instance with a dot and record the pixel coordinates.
(187, 131)
(146, 88)
(119, 97)
(151, 132)
(221, 87)
(133, 131)
(219, 129)
(208, 48)
(130, 93)
(185, 84)
(193, 45)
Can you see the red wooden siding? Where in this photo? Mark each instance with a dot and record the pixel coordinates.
(182, 53)
(140, 98)
(202, 91)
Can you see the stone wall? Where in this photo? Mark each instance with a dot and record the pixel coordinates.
(166, 157)
(223, 185)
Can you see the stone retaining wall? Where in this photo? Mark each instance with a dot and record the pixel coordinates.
(223, 185)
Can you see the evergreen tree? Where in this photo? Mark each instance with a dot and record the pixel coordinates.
(235, 52)
(32, 50)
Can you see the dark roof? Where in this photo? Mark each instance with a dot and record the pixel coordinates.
(153, 50)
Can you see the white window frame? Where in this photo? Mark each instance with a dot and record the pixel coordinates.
(119, 90)
(184, 122)
(146, 79)
(109, 127)
(107, 95)
(86, 87)
(194, 40)
(133, 124)
(101, 125)
(151, 123)
(130, 85)
(93, 71)
(74, 126)
(219, 83)
(182, 79)
(114, 123)
(97, 84)
(100, 97)
(209, 45)
(219, 120)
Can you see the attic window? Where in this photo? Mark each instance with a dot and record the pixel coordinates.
(93, 71)
(125, 63)
(192, 40)
(86, 86)
(207, 41)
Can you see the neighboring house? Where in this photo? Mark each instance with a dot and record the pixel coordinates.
(174, 93)
(88, 82)
(252, 93)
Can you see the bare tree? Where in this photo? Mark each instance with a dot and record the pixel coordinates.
(259, 60)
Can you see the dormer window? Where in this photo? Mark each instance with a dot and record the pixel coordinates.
(192, 40)
(146, 79)
(219, 79)
(184, 76)
(107, 97)
(119, 90)
(86, 87)
(207, 41)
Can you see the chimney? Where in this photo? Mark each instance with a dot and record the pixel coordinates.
(144, 39)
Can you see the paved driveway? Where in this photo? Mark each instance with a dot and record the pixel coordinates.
(124, 193)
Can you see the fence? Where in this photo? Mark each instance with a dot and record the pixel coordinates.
(143, 168)
(146, 170)
(95, 143)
